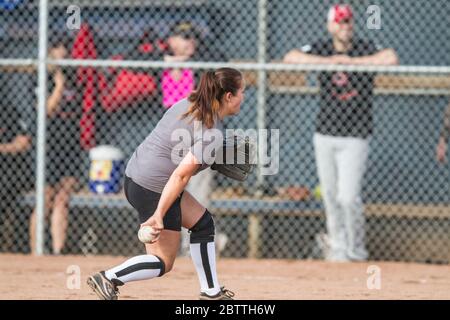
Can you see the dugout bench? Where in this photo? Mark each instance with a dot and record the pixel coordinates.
(430, 223)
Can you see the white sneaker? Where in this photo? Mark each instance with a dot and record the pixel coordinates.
(323, 243)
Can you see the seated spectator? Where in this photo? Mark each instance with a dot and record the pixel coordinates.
(63, 149)
(177, 84)
(114, 97)
(185, 43)
(15, 140)
(122, 88)
(129, 97)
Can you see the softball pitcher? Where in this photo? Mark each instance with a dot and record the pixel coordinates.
(155, 183)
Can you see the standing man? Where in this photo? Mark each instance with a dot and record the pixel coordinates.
(343, 128)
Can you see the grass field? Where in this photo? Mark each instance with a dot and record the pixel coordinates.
(27, 277)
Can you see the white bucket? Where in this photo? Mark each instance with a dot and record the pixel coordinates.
(106, 169)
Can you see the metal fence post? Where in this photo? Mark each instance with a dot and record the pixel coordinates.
(41, 119)
(261, 95)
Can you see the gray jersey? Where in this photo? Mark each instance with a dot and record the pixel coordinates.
(155, 159)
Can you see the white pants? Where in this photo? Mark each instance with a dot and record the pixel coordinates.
(200, 186)
(341, 163)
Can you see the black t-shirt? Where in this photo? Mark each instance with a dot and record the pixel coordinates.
(345, 97)
(63, 125)
(12, 125)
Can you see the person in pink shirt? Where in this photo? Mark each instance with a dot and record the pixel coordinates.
(177, 84)
(176, 87)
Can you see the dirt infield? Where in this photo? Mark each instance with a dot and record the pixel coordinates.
(26, 277)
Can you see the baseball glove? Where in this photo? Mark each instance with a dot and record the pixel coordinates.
(235, 159)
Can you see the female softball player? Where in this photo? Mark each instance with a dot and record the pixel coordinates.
(154, 186)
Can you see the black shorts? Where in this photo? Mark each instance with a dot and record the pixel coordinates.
(63, 160)
(146, 201)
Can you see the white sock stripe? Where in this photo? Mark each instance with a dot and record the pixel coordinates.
(137, 268)
(198, 263)
(197, 259)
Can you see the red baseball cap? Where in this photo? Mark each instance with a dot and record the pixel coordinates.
(340, 12)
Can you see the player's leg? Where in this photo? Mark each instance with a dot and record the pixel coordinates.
(160, 255)
(199, 187)
(325, 152)
(59, 216)
(200, 223)
(157, 262)
(351, 167)
(49, 193)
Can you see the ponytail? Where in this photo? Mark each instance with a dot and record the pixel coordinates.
(206, 99)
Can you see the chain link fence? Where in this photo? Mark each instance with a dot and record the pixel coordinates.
(114, 67)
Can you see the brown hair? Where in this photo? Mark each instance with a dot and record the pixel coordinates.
(205, 100)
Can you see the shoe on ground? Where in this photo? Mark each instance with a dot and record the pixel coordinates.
(103, 287)
(224, 294)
